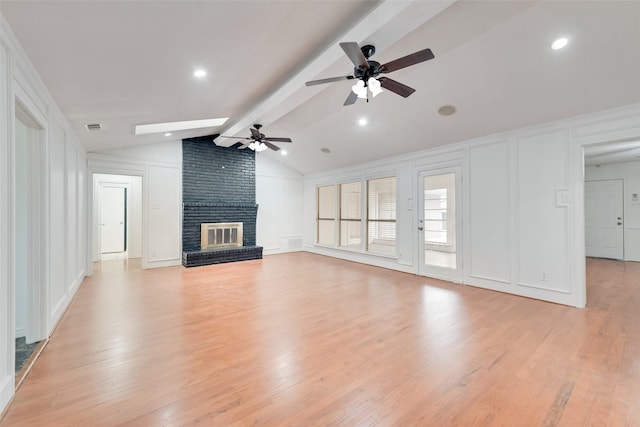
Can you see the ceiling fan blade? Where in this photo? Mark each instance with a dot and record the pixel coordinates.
(255, 134)
(406, 61)
(232, 137)
(274, 139)
(355, 54)
(270, 145)
(396, 87)
(351, 99)
(243, 146)
(329, 80)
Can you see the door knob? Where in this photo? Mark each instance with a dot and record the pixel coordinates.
(619, 223)
(420, 228)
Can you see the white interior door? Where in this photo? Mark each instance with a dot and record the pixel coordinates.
(112, 219)
(604, 229)
(439, 224)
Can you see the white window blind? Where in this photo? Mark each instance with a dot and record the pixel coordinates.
(326, 221)
(381, 216)
(351, 215)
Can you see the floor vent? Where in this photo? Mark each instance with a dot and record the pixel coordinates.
(93, 127)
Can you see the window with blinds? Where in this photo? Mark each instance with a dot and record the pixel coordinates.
(351, 215)
(381, 216)
(326, 221)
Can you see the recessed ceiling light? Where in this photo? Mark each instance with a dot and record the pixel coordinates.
(167, 134)
(325, 150)
(559, 43)
(199, 73)
(447, 110)
(362, 122)
(283, 152)
(171, 126)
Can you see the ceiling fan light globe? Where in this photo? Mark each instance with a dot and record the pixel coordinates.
(252, 146)
(359, 88)
(374, 86)
(260, 147)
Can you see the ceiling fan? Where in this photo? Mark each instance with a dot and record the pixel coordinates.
(258, 141)
(367, 72)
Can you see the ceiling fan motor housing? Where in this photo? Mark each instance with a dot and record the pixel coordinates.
(368, 50)
(373, 71)
(374, 66)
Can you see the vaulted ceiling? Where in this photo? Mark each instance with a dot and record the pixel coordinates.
(124, 63)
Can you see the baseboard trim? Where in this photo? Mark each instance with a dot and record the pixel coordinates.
(6, 394)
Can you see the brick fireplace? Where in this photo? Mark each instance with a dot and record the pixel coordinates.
(218, 186)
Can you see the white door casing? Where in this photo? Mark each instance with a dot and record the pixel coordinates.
(604, 220)
(440, 223)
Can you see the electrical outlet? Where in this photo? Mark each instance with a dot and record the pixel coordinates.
(544, 276)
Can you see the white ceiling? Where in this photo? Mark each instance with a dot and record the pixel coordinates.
(123, 63)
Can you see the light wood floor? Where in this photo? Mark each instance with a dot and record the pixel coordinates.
(303, 340)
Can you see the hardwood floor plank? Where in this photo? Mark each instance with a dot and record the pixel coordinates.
(301, 339)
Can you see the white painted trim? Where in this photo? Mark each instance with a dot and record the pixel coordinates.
(38, 217)
(161, 263)
(544, 288)
(6, 392)
(7, 297)
(63, 304)
(369, 259)
(460, 170)
(490, 279)
(276, 251)
(113, 165)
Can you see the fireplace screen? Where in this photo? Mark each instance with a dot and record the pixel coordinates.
(221, 235)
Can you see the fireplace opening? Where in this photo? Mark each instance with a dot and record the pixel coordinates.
(220, 235)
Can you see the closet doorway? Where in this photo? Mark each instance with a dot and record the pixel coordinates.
(117, 217)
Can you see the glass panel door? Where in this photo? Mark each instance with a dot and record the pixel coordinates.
(439, 224)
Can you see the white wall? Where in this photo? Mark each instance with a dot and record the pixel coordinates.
(279, 199)
(160, 169)
(61, 219)
(629, 172)
(523, 209)
(278, 194)
(134, 212)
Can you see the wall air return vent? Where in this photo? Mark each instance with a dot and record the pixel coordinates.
(93, 127)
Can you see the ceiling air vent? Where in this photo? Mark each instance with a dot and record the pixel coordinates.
(93, 127)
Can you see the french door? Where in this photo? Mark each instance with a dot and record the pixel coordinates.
(440, 223)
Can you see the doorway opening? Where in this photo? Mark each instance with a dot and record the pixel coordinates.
(29, 255)
(117, 217)
(612, 200)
